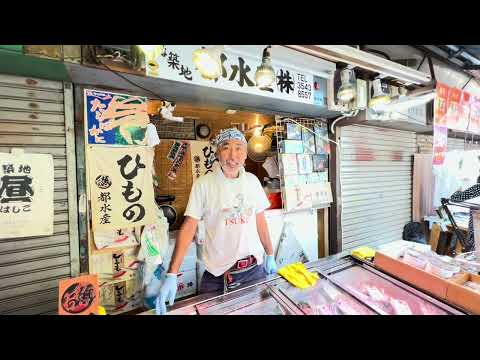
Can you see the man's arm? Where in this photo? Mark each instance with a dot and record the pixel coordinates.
(263, 233)
(184, 239)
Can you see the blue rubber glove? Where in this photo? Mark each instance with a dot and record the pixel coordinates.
(270, 265)
(168, 290)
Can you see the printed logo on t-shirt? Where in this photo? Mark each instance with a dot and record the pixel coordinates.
(239, 213)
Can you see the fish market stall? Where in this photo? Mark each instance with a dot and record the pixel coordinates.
(346, 286)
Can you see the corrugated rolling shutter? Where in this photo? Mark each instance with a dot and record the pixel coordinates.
(37, 116)
(376, 184)
(425, 144)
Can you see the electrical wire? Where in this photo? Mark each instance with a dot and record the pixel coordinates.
(313, 132)
(132, 82)
(471, 77)
(345, 115)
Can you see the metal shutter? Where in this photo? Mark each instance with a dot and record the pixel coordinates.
(37, 115)
(425, 144)
(376, 184)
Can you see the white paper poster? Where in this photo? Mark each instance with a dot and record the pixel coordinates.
(114, 238)
(121, 186)
(203, 158)
(26, 195)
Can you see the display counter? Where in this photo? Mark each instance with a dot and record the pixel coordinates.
(347, 286)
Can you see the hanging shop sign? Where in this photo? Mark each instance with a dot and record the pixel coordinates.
(116, 119)
(203, 158)
(440, 138)
(456, 109)
(78, 296)
(178, 160)
(26, 194)
(238, 74)
(121, 186)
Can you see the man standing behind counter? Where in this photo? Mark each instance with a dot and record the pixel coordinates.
(231, 202)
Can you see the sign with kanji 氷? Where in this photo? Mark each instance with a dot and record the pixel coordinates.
(238, 74)
(203, 158)
(26, 195)
(116, 119)
(121, 186)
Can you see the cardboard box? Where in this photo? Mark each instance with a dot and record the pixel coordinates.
(288, 164)
(320, 162)
(186, 283)
(291, 146)
(321, 193)
(463, 296)
(308, 141)
(317, 177)
(420, 279)
(294, 131)
(293, 180)
(297, 197)
(321, 145)
(304, 162)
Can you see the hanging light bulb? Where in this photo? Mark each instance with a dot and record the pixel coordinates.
(265, 75)
(381, 95)
(152, 51)
(208, 62)
(348, 90)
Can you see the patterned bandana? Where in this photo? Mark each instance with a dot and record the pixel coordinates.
(228, 134)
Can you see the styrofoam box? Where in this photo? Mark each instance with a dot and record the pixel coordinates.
(200, 271)
(186, 283)
(190, 259)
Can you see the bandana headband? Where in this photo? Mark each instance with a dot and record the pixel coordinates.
(229, 134)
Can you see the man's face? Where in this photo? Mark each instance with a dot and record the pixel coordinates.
(231, 155)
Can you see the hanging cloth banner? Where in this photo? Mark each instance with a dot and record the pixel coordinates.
(121, 186)
(177, 162)
(440, 138)
(440, 105)
(203, 158)
(456, 109)
(116, 119)
(26, 194)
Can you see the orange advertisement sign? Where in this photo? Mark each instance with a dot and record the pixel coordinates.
(474, 117)
(453, 107)
(464, 112)
(78, 296)
(440, 104)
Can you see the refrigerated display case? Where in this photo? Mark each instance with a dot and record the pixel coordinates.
(347, 286)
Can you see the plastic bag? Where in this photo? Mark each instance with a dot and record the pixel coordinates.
(153, 249)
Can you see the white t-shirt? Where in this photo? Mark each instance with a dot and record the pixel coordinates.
(228, 208)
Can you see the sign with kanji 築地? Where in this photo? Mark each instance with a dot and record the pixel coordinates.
(26, 195)
(121, 186)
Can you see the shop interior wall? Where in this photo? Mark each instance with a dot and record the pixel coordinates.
(216, 119)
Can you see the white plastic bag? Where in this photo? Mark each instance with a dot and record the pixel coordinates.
(153, 246)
